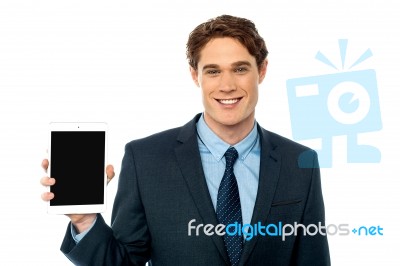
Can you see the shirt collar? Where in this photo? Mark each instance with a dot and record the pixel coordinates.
(218, 147)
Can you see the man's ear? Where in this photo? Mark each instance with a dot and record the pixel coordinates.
(195, 76)
(263, 71)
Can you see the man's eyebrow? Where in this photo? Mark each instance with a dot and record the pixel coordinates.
(235, 64)
(241, 63)
(210, 66)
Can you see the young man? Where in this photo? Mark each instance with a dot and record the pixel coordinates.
(177, 187)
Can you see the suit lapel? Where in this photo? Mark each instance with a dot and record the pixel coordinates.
(270, 164)
(189, 161)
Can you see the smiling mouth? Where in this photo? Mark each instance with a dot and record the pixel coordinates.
(228, 101)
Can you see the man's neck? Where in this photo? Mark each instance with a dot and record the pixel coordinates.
(231, 134)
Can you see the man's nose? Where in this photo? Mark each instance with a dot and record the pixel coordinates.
(227, 82)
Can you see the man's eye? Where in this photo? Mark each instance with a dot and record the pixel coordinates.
(240, 70)
(212, 72)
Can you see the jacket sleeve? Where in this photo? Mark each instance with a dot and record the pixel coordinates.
(313, 249)
(128, 241)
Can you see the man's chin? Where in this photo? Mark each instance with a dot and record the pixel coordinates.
(230, 122)
(226, 120)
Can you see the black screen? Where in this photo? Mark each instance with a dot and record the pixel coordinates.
(77, 163)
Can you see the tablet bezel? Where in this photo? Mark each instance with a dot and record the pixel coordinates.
(79, 127)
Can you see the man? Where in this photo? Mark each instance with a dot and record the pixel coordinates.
(177, 187)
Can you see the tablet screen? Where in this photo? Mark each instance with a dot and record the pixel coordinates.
(77, 164)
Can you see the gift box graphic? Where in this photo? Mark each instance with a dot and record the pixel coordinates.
(344, 103)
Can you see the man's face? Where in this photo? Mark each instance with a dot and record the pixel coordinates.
(228, 76)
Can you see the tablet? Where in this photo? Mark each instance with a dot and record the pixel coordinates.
(77, 156)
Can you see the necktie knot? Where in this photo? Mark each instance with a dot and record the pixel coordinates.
(231, 155)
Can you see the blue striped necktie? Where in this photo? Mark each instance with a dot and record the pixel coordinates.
(228, 207)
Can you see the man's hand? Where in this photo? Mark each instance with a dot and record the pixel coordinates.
(80, 221)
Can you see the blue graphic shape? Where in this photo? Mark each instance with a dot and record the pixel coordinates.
(348, 103)
(312, 119)
(343, 50)
(367, 54)
(321, 57)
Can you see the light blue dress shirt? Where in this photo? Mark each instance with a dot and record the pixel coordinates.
(246, 168)
(78, 237)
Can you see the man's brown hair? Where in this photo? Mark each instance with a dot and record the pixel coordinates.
(238, 28)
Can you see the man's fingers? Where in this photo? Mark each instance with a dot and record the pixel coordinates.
(47, 181)
(110, 172)
(45, 164)
(46, 196)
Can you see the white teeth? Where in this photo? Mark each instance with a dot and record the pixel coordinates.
(230, 101)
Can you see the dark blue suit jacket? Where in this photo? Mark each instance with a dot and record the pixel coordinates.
(162, 187)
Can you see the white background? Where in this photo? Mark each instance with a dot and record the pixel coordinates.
(124, 62)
